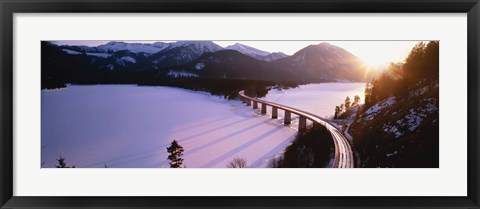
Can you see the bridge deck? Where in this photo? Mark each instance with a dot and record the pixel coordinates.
(343, 151)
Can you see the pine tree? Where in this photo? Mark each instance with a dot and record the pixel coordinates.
(368, 94)
(347, 103)
(62, 163)
(175, 157)
(356, 100)
(422, 62)
(337, 112)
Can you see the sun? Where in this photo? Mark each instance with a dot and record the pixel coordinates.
(378, 54)
(376, 61)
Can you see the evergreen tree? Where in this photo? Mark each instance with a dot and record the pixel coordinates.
(356, 100)
(368, 95)
(62, 163)
(337, 112)
(374, 87)
(347, 103)
(422, 62)
(175, 157)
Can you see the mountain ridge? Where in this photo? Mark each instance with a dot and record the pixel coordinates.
(189, 59)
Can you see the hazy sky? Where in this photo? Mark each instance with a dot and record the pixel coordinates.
(373, 53)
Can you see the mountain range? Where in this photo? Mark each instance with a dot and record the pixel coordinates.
(120, 62)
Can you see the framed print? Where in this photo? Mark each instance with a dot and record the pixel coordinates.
(321, 104)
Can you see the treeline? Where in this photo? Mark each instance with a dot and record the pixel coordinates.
(422, 64)
(228, 88)
(59, 69)
(405, 132)
(343, 110)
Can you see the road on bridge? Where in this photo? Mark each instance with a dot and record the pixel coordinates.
(344, 157)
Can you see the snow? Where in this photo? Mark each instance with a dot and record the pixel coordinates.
(199, 66)
(134, 47)
(200, 46)
(391, 154)
(419, 91)
(128, 59)
(319, 99)
(346, 134)
(256, 53)
(68, 51)
(159, 60)
(393, 130)
(275, 56)
(413, 119)
(371, 112)
(431, 106)
(101, 55)
(110, 67)
(130, 126)
(247, 50)
(181, 74)
(300, 59)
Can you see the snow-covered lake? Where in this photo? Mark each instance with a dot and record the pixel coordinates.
(319, 99)
(131, 126)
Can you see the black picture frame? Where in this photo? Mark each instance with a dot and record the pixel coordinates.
(9, 7)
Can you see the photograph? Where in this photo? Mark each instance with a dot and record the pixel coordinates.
(239, 104)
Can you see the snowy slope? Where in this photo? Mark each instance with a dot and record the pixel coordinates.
(256, 53)
(129, 126)
(100, 55)
(248, 50)
(115, 46)
(201, 46)
(72, 52)
(179, 53)
(325, 62)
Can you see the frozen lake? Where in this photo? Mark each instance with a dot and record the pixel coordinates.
(319, 99)
(130, 126)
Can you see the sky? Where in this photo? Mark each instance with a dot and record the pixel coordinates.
(376, 54)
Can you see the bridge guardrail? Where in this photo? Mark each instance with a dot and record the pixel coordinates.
(343, 150)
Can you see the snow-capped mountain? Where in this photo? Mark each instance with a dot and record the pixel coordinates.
(247, 50)
(115, 46)
(256, 53)
(79, 49)
(275, 56)
(325, 62)
(199, 46)
(178, 53)
(230, 64)
(119, 62)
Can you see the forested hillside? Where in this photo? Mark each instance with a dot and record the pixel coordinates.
(399, 124)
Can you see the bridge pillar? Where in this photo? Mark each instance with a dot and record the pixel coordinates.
(287, 118)
(302, 124)
(316, 125)
(255, 105)
(249, 102)
(274, 112)
(264, 109)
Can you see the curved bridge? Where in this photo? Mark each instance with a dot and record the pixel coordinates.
(343, 152)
